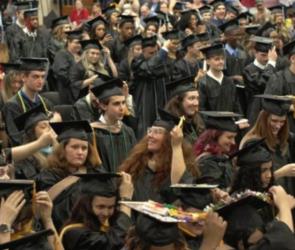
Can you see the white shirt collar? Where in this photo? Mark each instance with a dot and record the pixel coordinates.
(103, 120)
(258, 64)
(218, 79)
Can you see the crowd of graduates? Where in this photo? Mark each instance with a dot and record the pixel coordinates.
(189, 104)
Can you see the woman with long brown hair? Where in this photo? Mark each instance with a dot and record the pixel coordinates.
(272, 124)
(160, 159)
(74, 154)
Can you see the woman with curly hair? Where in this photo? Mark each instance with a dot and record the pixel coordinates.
(160, 159)
(74, 154)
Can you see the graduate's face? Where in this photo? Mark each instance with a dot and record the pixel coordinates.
(226, 141)
(151, 30)
(276, 123)
(93, 55)
(100, 30)
(41, 128)
(190, 103)
(206, 17)
(76, 152)
(220, 12)
(67, 28)
(149, 52)
(137, 50)
(261, 57)
(127, 30)
(74, 46)
(115, 109)
(32, 22)
(103, 207)
(16, 84)
(216, 62)
(34, 80)
(155, 138)
(266, 174)
(114, 18)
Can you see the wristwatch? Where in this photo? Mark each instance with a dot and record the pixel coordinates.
(4, 228)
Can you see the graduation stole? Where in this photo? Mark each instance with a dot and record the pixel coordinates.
(26, 229)
(24, 106)
(69, 227)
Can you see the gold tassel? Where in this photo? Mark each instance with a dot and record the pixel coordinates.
(94, 144)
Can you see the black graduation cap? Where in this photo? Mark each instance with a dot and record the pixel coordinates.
(108, 88)
(30, 118)
(253, 152)
(31, 238)
(277, 105)
(110, 10)
(189, 40)
(244, 15)
(22, 5)
(33, 63)
(59, 21)
(251, 29)
(179, 6)
(126, 19)
(31, 12)
(232, 9)
(90, 44)
(221, 120)
(203, 36)
(133, 40)
(171, 35)
(289, 49)
(71, 129)
(149, 41)
(101, 184)
(265, 28)
(212, 50)
(262, 44)
(75, 34)
(96, 21)
(10, 66)
(152, 19)
(180, 86)
(205, 9)
(155, 232)
(9, 186)
(230, 25)
(217, 3)
(166, 120)
(277, 9)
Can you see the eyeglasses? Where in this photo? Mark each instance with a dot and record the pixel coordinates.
(156, 131)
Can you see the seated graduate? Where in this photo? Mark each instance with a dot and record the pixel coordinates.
(23, 211)
(73, 154)
(96, 222)
(160, 159)
(114, 139)
(184, 101)
(202, 235)
(34, 123)
(215, 145)
(273, 125)
(28, 97)
(246, 229)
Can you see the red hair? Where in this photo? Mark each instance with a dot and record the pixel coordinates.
(208, 142)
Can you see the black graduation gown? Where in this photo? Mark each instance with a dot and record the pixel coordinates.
(62, 64)
(113, 148)
(191, 132)
(145, 189)
(41, 243)
(218, 97)
(149, 90)
(28, 168)
(64, 202)
(255, 80)
(118, 49)
(83, 111)
(84, 239)
(283, 83)
(183, 68)
(218, 169)
(124, 70)
(53, 47)
(13, 34)
(12, 109)
(277, 236)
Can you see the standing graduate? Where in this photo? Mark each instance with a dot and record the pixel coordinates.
(282, 83)
(215, 85)
(26, 98)
(64, 61)
(96, 222)
(114, 139)
(257, 74)
(74, 154)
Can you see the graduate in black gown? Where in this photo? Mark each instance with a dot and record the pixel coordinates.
(64, 61)
(215, 85)
(19, 219)
(114, 139)
(27, 98)
(74, 154)
(257, 74)
(160, 159)
(282, 83)
(89, 226)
